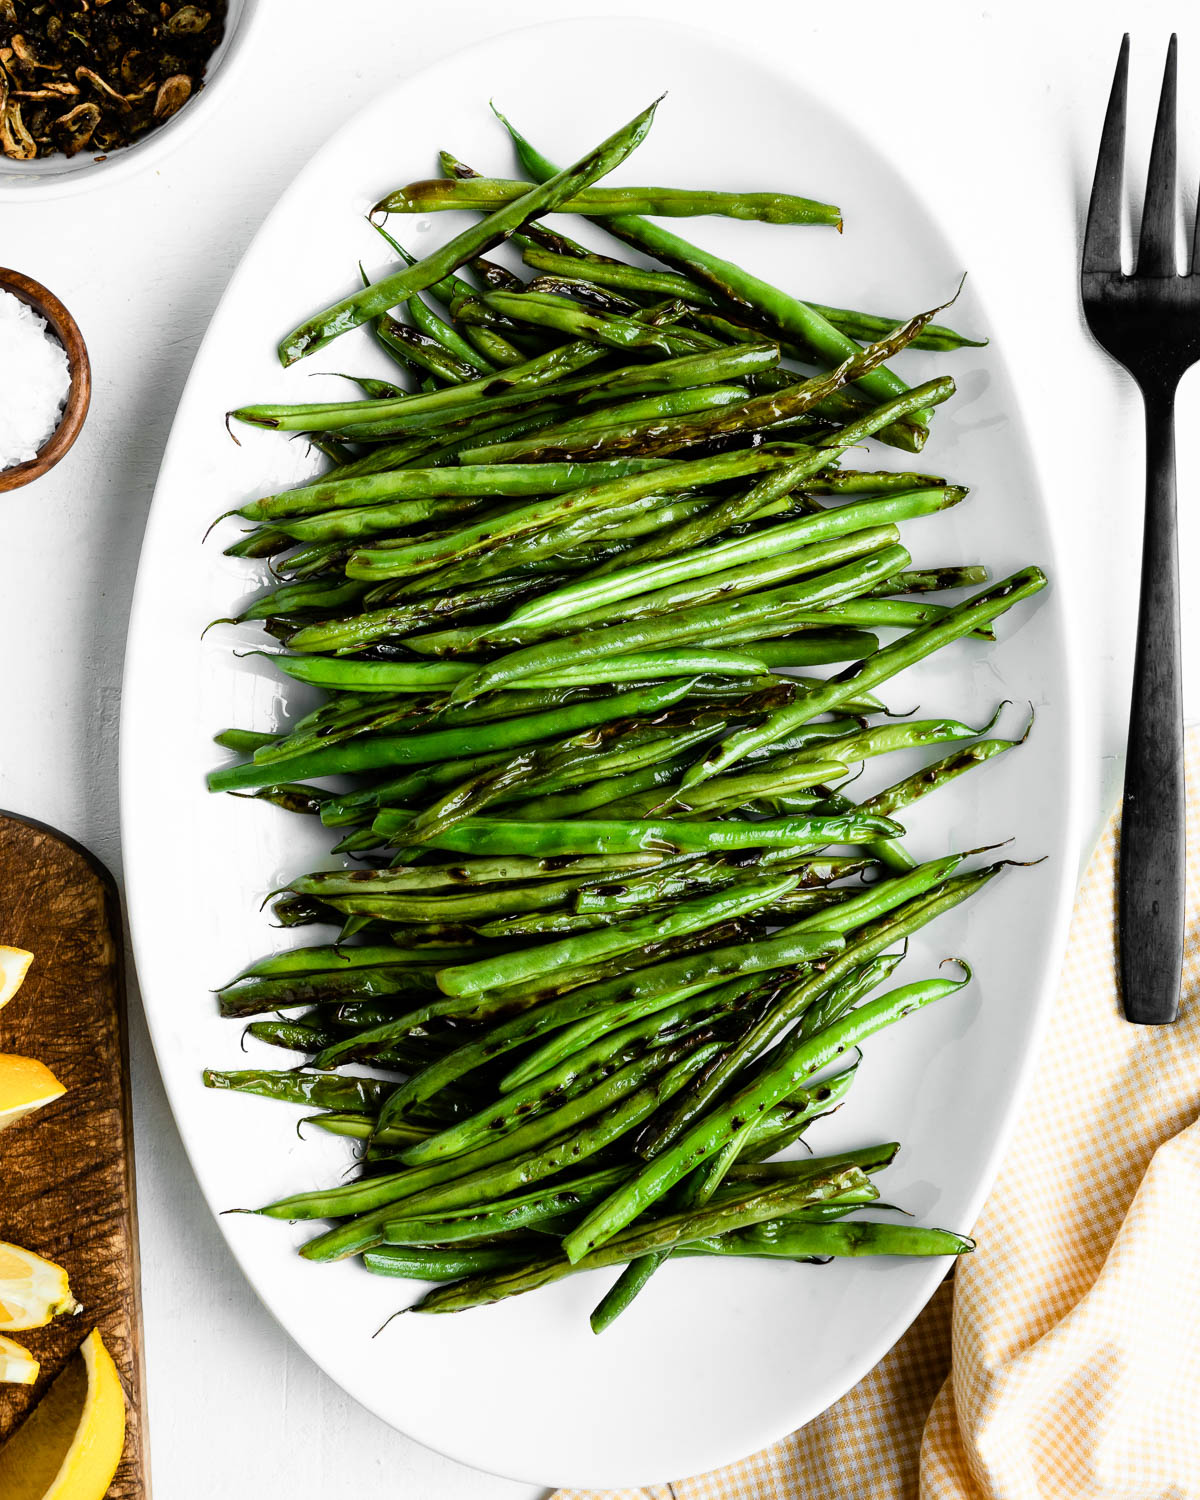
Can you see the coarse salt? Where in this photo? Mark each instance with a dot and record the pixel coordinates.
(35, 379)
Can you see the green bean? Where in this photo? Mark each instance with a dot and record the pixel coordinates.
(930, 777)
(526, 1134)
(740, 507)
(386, 456)
(615, 966)
(428, 322)
(762, 412)
(719, 557)
(813, 648)
(580, 1074)
(379, 389)
(249, 997)
(424, 677)
(574, 1052)
(358, 1127)
(642, 408)
(427, 485)
(381, 1195)
(417, 351)
(727, 793)
(546, 596)
(432, 1263)
(326, 1090)
(786, 1123)
(842, 997)
(562, 315)
(519, 1212)
(544, 924)
(294, 598)
(565, 764)
(531, 963)
(930, 580)
(261, 541)
(440, 906)
(698, 1190)
(450, 286)
(376, 521)
(860, 325)
(588, 797)
(667, 284)
(438, 446)
(710, 961)
(605, 319)
(297, 911)
(881, 897)
(614, 274)
(758, 1138)
(357, 808)
(546, 377)
(884, 663)
(372, 715)
(685, 875)
(893, 926)
(496, 835)
(620, 999)
(477, 240)
(489, 394)
(746, 578)
(684, 626)
(450, 744)
(665, 1233)
(562, 548)
(332, 958)
(711, 1132)
(359, 631)
(244, 741)
(882, 739)
(705, 588)
(791, 1240)
(299, 1036)
(706, 870)
(384, 1030)
(596, 754)
(667, 479)
(570, 1047)
(793, 318)
(482, 872)
(486, 194)
(886, 612)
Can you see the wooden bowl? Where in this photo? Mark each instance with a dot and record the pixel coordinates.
(66, 330)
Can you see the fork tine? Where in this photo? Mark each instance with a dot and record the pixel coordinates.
(1194, 267)
(1102, 237)
(1156, 247)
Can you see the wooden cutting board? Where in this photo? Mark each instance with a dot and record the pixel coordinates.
(66, 1171)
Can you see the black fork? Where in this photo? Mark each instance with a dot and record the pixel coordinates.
(1150, 322)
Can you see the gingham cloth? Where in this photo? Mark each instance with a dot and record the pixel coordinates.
(1063, 1360)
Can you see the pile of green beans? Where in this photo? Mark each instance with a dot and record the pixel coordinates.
(613, 922)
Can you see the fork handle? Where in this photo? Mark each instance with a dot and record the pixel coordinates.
(1151, 886)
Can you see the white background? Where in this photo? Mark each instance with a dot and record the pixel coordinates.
(993, 114)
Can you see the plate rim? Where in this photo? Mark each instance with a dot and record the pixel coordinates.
(1057, 597)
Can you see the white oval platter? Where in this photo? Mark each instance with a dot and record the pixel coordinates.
(717, 1358)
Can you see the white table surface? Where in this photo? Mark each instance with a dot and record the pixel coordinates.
(991, 111)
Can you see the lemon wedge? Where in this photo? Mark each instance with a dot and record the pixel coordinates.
(32, 1290)
(25, 1085)
(17, 1365)
(69, 1447)
(14, 965)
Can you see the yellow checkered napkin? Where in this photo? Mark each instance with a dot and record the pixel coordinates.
(1063, 1361)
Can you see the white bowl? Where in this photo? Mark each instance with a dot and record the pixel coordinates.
(56, 176)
